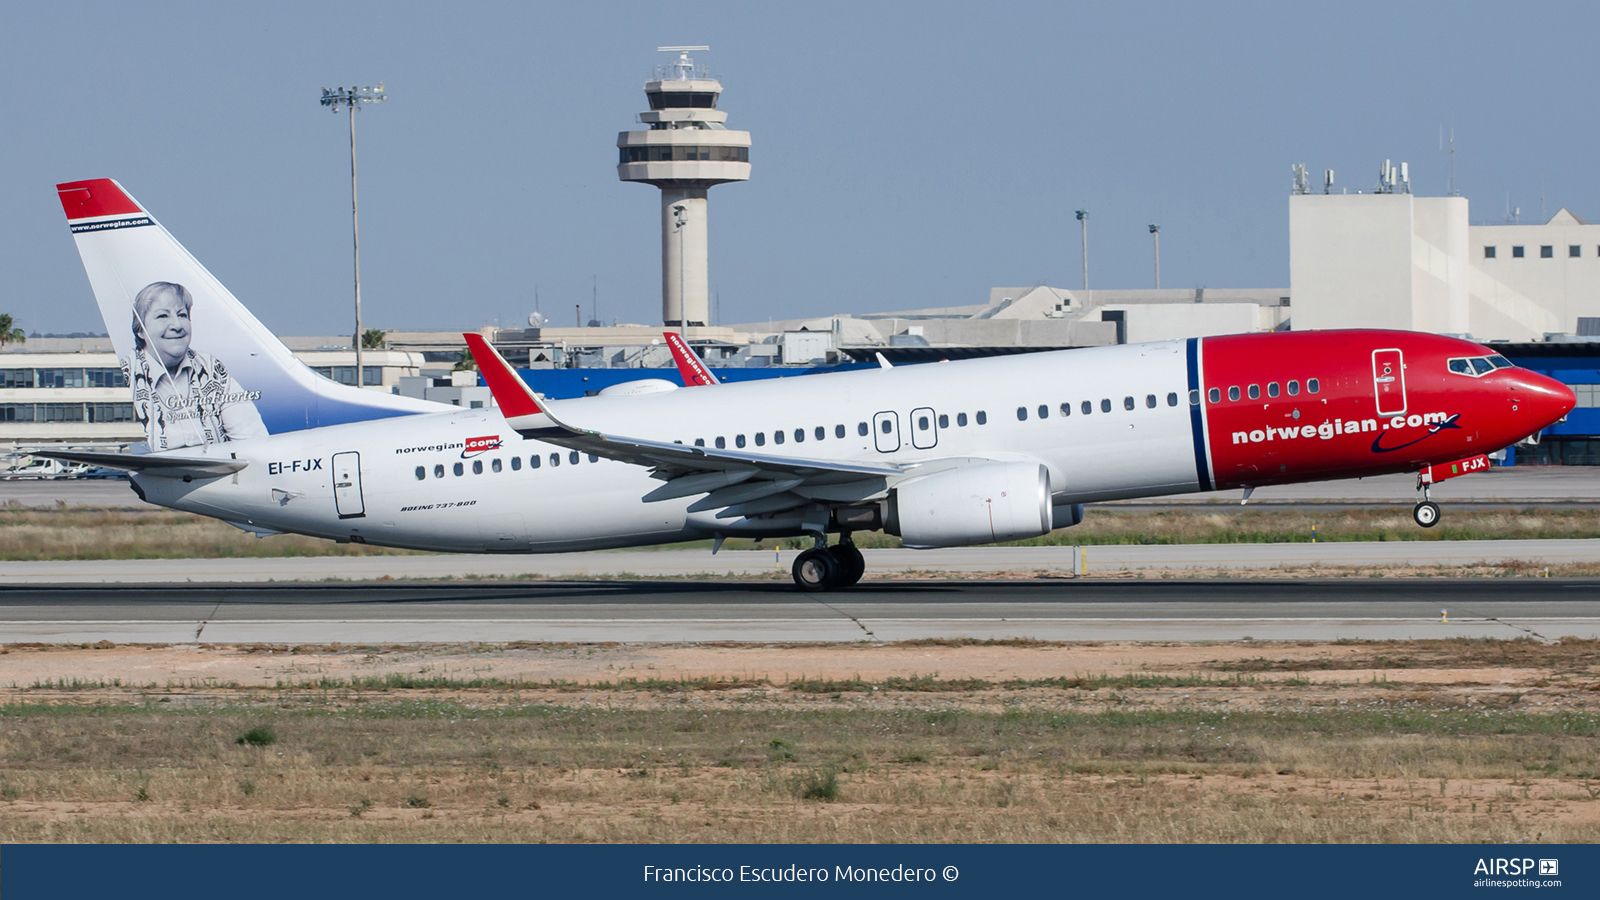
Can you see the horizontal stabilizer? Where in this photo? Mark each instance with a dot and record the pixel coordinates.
(150, 464)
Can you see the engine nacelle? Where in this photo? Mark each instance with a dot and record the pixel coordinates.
(982, 504)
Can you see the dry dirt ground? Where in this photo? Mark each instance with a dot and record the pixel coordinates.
(1459, 740)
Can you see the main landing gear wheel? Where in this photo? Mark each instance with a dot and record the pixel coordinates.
(851, 563)
(1426, 514)
(816, 570)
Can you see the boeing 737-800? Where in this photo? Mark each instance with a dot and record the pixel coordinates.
(942, 454)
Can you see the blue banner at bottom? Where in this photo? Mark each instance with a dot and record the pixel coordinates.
(275, 872)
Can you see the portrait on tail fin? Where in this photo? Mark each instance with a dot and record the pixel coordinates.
(181, 396)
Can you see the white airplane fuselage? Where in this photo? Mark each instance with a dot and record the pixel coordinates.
(289, 484)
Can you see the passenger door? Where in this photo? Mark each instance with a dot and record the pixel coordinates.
(1389, 381)
(347, 485)
(924, 428)
(886, 431)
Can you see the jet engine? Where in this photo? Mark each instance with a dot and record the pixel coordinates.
(981, 504)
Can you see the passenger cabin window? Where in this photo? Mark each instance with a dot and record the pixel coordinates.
(722, 444)
(886, 426)
(838, 431)
(777, 437)
(923, 423)
(1066, 409)
(1127, 403)
(1255, 392)
(819, 432)
(573, 457)
(1087, 407)
(494, 464)
(738, 440)
(1194, 398)
(863, 429)
(761, 439)
(1215, 394)
(1294, 388)
(1105, 404)
(1233, 393)
(533, 461)
(1022, 414)
(422, 473)
(457, 468)
(1272, 389)
(799, 435)
(555, 458)
(944, 421)
(593, 458)
(1312, 386)
(438, 471)
(699, 442)
(1150, 401)
(982, 417)
(961, 420)
(477, 467)
(516, 463)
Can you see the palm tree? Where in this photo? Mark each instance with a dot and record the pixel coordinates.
(9, 333)
(372, 338)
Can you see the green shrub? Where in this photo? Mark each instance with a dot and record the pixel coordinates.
(259, 736)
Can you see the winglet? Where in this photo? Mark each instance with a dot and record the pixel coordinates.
(691, 368)
(510, 391)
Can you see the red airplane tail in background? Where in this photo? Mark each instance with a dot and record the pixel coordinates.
(690, 366)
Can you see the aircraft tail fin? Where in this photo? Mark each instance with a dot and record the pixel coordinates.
(691, 368)
(202, 369)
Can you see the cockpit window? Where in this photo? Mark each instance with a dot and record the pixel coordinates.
(1475, 366)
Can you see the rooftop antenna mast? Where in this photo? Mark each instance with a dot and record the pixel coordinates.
(1452, 188)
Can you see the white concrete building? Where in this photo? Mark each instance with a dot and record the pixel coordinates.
(1394, 260)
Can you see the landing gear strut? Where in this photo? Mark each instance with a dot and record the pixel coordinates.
(1427, 512)
(824, 568)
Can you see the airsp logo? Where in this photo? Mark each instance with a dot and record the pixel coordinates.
(1515, 867)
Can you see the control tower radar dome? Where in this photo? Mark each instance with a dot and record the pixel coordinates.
(685, 148)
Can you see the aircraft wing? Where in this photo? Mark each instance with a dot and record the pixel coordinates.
(737, 482)
(150, 464)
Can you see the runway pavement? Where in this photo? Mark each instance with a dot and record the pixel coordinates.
(1051, 609)
(1105, 559)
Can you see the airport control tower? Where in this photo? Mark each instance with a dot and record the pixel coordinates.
(685, 151)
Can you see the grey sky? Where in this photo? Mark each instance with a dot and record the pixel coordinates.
(904, 155)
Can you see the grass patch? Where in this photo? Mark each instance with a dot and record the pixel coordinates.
(440, 770)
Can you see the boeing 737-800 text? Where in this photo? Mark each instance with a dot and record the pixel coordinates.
(943, 454)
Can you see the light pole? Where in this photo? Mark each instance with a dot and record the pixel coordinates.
(1083, 219)
(1155, 232)
(353, 98)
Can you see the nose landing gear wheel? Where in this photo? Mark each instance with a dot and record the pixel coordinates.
(1426, 514)
(816, 570)
(851, 564)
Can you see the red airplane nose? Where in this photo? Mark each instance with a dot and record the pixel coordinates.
(1545, 399)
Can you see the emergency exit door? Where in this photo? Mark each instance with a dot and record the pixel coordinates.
(886, 431)
(347, 485)
(1389, 381)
